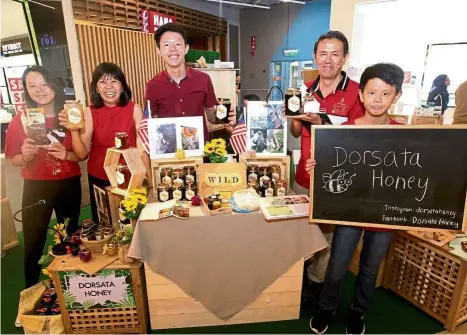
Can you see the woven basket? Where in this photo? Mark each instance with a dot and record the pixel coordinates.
(97, 246)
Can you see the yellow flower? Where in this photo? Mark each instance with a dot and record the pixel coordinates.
(221, 152)
(47, 273)
(57, 239)
(180, 154)
(208, 148)
(59, 227)
(141, 190)
(105, 248)
(218, 142)
(141, 199)
(130, 205)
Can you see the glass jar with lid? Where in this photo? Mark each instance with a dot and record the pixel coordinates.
(75, 112)
(265, 174)
(177, 192)
(162, 193)
(178, 178)
(281, 188)
(252, 172)
(190, 174)
(222, 110)
(293, 101)
(166, 176)
(275, 173)
(268, 188)
(123, 174)
(122, 140)
(190, 191)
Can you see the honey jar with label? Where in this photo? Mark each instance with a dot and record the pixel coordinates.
(281, 188)
(121, 140)
(190, 174)
(74, 110)
(222, 110)
(162, 193)
(253, 184)
(123, 174)
(293, 101)
(265, 174)
(177, 193)
(190, 191)
(252, 172)
(275, 173)
(166, 176)
(177, 178)
(268, 189)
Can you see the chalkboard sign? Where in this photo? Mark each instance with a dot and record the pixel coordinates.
(403, 177)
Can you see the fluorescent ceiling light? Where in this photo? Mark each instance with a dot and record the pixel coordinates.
(294, 1)
(239, 4)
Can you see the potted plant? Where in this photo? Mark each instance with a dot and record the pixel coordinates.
(132, 205)
(215, 151)
(121, 241)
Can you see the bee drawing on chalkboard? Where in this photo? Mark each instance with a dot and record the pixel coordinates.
(337, 181)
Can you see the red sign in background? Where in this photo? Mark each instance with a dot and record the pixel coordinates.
(17, 94)
(150, 21)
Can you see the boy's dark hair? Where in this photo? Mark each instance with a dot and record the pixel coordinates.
(109, 70)
(54, 83)
(251, 97)
(391, 74)
(334, 34)
(172, 27)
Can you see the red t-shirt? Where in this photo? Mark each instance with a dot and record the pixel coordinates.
(44, 166)
(189, 98)
(391, 122)
(344, 101)
(106, 122)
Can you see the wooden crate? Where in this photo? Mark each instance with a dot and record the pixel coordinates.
(355, 264)
(282, 161)
(104, 320)
(417, 119)
(429, 277)
(170, 307)
(114, 197)
(133, 160)
(158, 164)
(9, 234)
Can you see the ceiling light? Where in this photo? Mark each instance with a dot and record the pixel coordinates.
(239, 4)
(294, 1)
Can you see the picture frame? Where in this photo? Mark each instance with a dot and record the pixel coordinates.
(266, 128)
(166, 135)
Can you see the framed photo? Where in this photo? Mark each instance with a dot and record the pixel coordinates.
(166, 135)
(266, 128)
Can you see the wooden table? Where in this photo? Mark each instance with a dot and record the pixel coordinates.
(428, 276)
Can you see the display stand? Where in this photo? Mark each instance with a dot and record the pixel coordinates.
(429, 277)
(130, 317)
(422, 119)
(170, 307)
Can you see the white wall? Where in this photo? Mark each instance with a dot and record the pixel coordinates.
(13, 22)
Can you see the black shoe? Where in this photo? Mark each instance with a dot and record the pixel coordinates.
(312, 290)
(320, 321)
(355, 323)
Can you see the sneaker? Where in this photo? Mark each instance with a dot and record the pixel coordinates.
(312, 290)
(320, 321)
(355, 323)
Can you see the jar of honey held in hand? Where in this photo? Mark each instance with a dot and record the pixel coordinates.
(74, 111)
(293, 101)
(121, 140)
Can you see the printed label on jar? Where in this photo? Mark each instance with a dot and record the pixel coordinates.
(164, 195)
(167, 180)
(190, 178)
(177, 194)
(269, 192)
(275, 176)
(118, 143)
(262, 179)
(294, 104)
(120, 178)
(178, 182)
(252, 177)
(189, 194)
(74, 115)
(221, 112)
(281, 192)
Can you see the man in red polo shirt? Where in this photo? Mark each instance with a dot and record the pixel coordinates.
(337, 96)
(180, 91)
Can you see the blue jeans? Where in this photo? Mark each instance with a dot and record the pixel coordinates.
(346, 238)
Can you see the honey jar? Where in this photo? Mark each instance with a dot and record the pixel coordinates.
(177, 193)
(293, 101)
(253, 184)
(216, 205)
(162, 193)
(252, 172)
(211, 201)
(121, 140)
(190, 191)
(268, 189)
(177, 175)
(281, 188)
(265, 173)
(222, 110)
(275, 173)
(190, 174)
(166, 176)
(74, 111)
(123, 174)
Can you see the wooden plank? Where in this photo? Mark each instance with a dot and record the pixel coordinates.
(191, 306)
(136, 274)
(208, 319)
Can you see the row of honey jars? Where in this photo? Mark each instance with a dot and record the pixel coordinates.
(167, 192)
(269, 188)
(262, 173)
(179, 176)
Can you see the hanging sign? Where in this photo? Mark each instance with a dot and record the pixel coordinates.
(17, 46)
(153, 20)
(106, 289)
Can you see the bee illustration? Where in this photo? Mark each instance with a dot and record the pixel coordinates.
(336, 182)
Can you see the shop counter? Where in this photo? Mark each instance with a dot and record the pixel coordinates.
(227, 269)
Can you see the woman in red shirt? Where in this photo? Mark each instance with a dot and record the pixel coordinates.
(111, 111)
(50, 173)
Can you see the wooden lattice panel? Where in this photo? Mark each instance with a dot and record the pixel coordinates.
(429, 277)
(99, 320)
(126, 14)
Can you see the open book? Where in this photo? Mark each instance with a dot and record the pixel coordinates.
(291, 206)
(159, 210)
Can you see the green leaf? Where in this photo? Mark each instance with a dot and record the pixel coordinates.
(88, 304)
(69, 298)
(127, 303)
(45, 259)
(106, 273)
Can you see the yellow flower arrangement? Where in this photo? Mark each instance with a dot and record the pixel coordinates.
(180, 154)
(59, 233)
(133, 203)
(47, 273)
(216, 151)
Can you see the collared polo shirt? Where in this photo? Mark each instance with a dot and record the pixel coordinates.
(189, 98)
(344, 101)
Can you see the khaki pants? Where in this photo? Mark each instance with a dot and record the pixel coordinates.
(317, 270)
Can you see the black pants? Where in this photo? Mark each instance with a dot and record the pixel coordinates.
(101, 184)
(63, 197)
